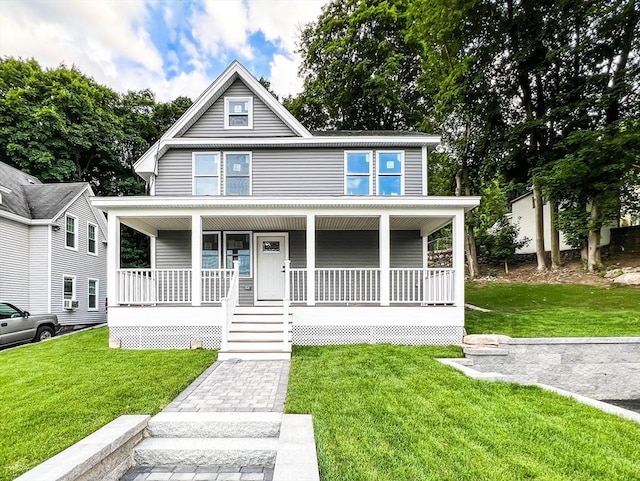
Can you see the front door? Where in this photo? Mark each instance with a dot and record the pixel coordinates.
(271, 254)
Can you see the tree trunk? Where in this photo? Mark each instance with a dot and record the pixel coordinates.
(506, 267)
(555, 236)
(539, 215)
(593, 243)
(470, 251)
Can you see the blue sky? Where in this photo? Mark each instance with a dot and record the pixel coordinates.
(173, 47)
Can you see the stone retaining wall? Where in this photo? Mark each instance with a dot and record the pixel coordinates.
(625, 239)
(104, 455)
(600, 368)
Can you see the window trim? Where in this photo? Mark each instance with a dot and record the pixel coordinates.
(225, 233)
(209, 232)
(95, 238)
(75, 232)
(379, 174)
(371, 168)
(227, 113)
(97, 294)
(224, 157)
(74, 286)
(195, 176)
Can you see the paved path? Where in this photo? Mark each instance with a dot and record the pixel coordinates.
(258, 386)
(236, 386)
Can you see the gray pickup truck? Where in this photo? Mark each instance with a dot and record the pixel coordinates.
(17, 325)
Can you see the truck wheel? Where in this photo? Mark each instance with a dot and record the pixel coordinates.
(43, 333)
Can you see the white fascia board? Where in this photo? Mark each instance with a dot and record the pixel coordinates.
(25, 220)
(341, 202)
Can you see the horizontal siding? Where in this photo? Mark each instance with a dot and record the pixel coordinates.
(173, 249)
(406, 249)
(14, 255)
(265, 122)
(290, 172)
(39, 268)
(81, 264)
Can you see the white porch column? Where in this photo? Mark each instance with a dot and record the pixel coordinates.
(311, 260)
(196, 260)
(113, 258)
(425, 252)
(385, 258)
(458, 257)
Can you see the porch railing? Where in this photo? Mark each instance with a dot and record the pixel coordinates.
(298, 285)
(215, 284)
(424, 286)
(154, 286)
(361, 285)
(229, 304)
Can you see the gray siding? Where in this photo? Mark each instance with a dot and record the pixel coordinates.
(39, 268)
(173, 249)
(265, 122)
(81, 264)
(406, 249)
(14, 255)
(291, 172)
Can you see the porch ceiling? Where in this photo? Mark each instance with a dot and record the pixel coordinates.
(283, 223)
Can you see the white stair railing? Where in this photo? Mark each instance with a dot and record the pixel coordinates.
(229, 304)
(286, 302)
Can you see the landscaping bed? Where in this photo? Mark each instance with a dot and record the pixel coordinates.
(57, 392)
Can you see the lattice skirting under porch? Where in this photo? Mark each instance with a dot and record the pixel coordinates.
(166, 337)
(411, 335)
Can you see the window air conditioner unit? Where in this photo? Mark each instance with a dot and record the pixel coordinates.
(70, 304)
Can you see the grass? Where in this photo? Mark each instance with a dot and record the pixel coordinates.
(57, 392)
(553, 310)
(394, 413)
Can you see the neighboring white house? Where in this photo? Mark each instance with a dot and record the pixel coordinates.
(52, 248)
(328, 231)
(523, 215)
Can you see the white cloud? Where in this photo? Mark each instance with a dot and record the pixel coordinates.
(107, 39)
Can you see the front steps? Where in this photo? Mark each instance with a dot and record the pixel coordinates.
(257, 334)
(210, 439)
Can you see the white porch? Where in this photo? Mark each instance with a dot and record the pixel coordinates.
(318, 304)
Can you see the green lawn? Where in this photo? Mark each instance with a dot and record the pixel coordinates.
(394, 413)
(57, 392)
(553, 310)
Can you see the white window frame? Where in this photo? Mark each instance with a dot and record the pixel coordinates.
(227, 113)
(225, 234)
(97, 294)
(73, 293)
(95, 238)
(75, 232)
(221, 261)
(224, 158)
(195, 176)
(371, 169)
(378, 174)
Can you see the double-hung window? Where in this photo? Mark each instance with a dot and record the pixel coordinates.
(238, 113)
(237, 169)
(210, 250)
(71, 232)
(69, 288)
(357, 173)
(390, 173)
(92, 299)
(238, 248)
(92, 247)
(206, 173)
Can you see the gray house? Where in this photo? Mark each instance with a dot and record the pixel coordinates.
(265, 234)
(52, 248)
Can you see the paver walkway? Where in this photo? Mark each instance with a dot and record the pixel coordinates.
(247, 386)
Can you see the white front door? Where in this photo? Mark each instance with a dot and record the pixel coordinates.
(271, 254)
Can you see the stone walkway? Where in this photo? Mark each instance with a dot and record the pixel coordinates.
(258, 386)
(227, 386)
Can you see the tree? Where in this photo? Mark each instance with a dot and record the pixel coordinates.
(360, 70)
(500, 243)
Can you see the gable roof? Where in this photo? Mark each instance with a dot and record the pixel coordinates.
(235, 71)
(29, 199)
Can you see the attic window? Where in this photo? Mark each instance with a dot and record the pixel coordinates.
(238, 112)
